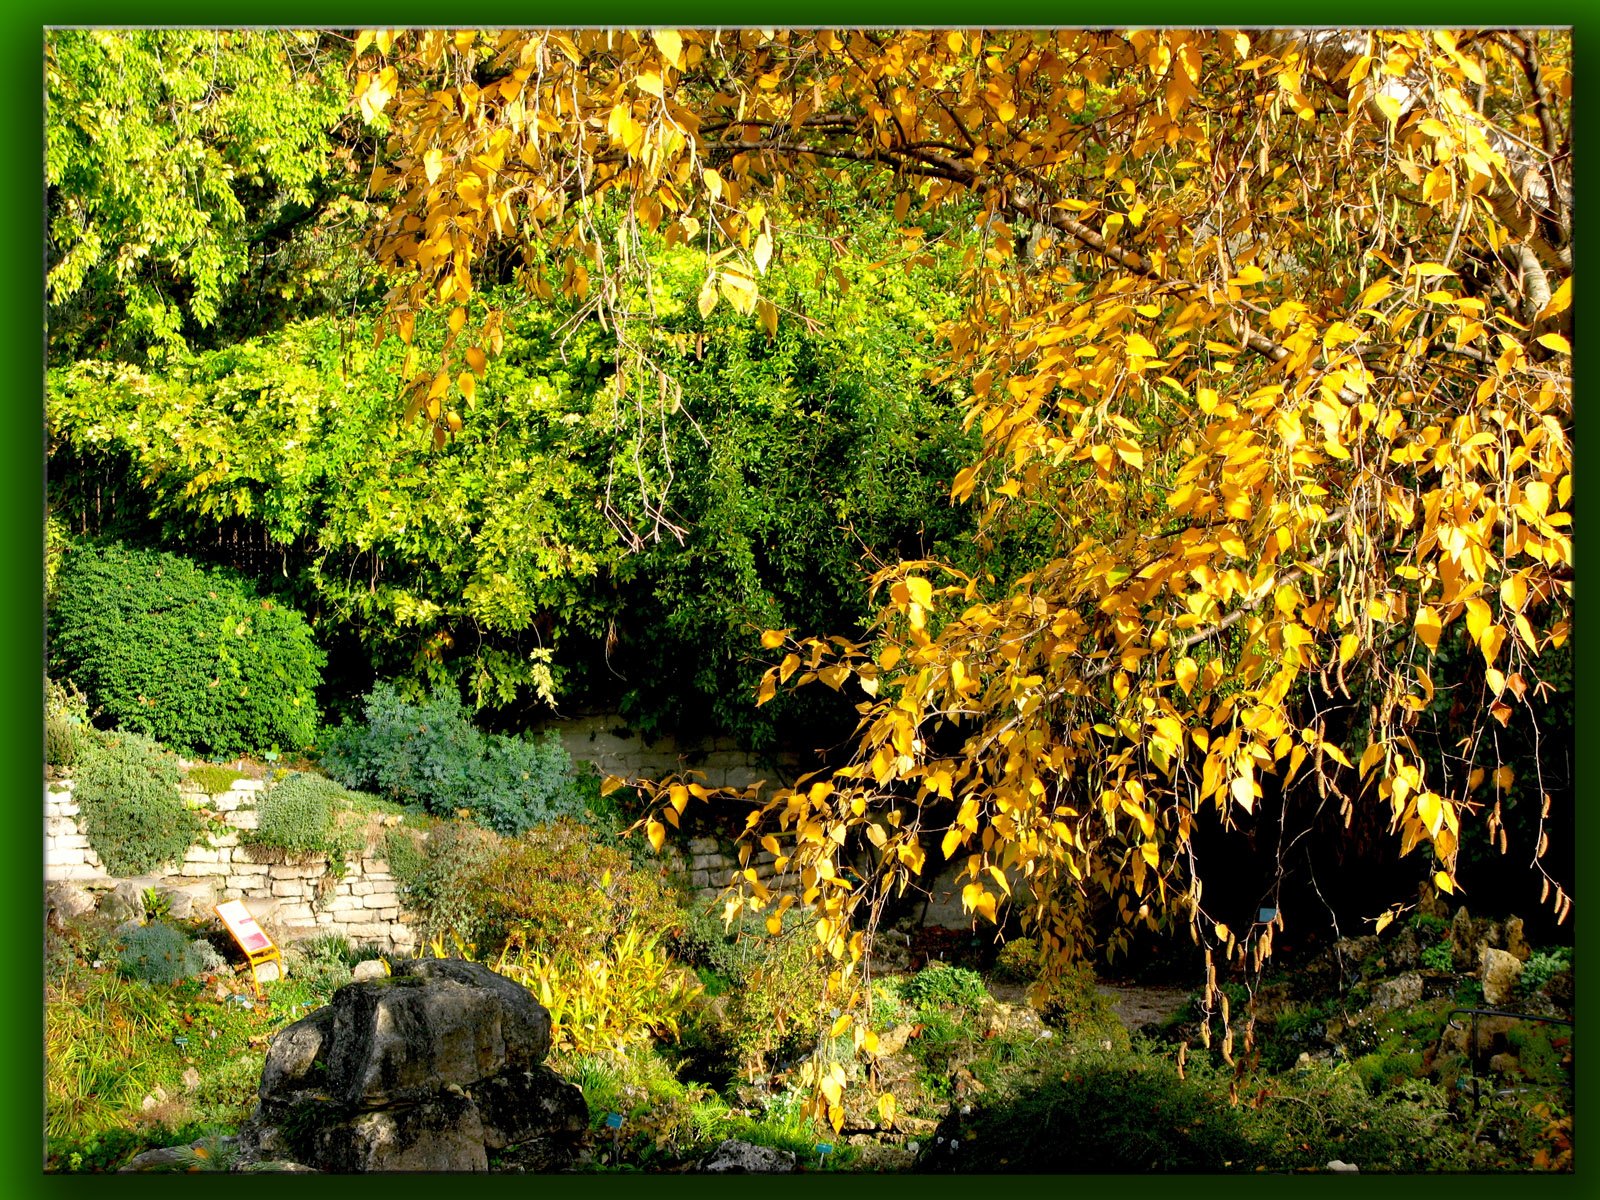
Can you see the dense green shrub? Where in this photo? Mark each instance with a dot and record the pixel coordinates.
(566, 888)
(66, 724)
(1108, 1114)
(158, 953)
(428, 754)
(1018, 961)
(129, 807)
(1073, 1004)
(1437, 957)
(189, 656)
(940, 986)
(767, 1012)
(1542, 967)
(210, 778)
(307, 815)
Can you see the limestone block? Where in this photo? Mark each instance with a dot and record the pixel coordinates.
(244, 818)
(75, 873)
(70, 841)
(201, 854)
(198, 869)
(248, 786)
(227, 802)
(224, 841)
(291, 914)
(1499, 974)
(388, 914)
(374, 866)
(69, 900)
(288, 887)
(381, 900)
(55, 827)
(703, 845)
(360, 887)
(57, 856)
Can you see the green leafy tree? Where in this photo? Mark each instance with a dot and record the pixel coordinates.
(188, 171)
(512, 561)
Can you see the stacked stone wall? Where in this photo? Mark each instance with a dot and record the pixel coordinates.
(296, 899)
(605, 740)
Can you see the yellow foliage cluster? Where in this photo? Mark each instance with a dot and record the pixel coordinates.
(1270, 329)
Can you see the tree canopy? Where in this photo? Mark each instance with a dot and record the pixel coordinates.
(1269, 328)
(188, 171)
(1147, 438)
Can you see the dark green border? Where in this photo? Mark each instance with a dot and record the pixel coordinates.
(21, 492)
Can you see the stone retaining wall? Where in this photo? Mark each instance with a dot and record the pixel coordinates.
(293, 899)
(605, 740)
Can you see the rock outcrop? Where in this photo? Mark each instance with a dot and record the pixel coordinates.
(428, 1069)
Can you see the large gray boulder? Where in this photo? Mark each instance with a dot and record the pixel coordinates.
(424, 1070)
(520, 1105)
(443, 1133)
(415, 1032)
(297, 1059)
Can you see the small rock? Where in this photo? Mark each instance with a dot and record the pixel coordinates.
(167, 1158)
(734, 1157)
(1400, 992)
(1499, 975)
(1516, 941)
(283, 1165)
(68, 900)
(191, 1079)
(894, 1040)
(371, 968)
(1339, 1166)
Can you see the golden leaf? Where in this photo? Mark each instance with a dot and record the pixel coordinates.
(670, 43)
(1428, 627)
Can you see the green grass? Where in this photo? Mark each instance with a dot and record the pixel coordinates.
(118, 1051)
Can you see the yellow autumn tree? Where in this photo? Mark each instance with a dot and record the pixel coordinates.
(1268, 331)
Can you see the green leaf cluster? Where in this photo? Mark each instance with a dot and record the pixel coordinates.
(305, 815)
(516, 561)
(126, 789)
(428, 755)
(158, 953)
(184, 168)
(939, 985)
(192, 657)
(567, 890)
